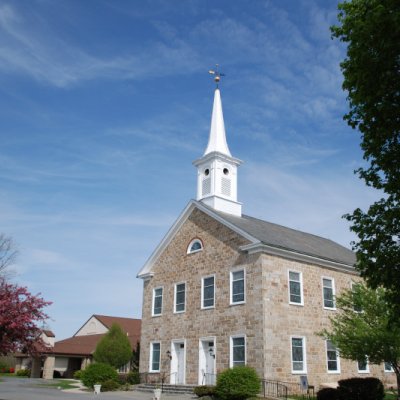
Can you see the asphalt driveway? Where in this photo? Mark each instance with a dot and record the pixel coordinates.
(30, 389)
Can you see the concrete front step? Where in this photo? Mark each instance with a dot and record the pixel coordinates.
(149, 387)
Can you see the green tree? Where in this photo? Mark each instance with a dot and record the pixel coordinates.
(114, 348)
(369, 332)
(371, 70)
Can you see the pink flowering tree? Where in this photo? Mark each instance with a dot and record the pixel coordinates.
(20, 314)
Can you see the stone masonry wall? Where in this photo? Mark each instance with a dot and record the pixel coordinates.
(284, 320)
(218, 257)
(267, 319)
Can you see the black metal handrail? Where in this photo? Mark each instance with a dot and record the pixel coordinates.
(211, 379)
(274, 389)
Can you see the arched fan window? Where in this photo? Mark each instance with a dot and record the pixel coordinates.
(194, 246)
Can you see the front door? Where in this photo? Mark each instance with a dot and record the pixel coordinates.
(207, 362)
(178, 363)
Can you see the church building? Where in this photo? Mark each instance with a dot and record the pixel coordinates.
(225, 289)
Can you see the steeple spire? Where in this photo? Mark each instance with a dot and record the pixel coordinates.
(217, 138)
(217, 169)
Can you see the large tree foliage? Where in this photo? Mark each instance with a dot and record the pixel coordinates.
(371, 70)
(20, 314)
(114, 348)
(369, 332)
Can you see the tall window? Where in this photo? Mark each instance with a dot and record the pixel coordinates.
(295, 288)
(298, 355)
(180, 294)
(155, 352)
(356, 306)
(157, 301)
(328, 290)
(238, 351)
(237, 287)
(332, 357)
(208, 292)
(363, 366)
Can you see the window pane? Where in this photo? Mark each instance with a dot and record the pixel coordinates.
(331, 355)
(237, 286)
(208, 292)
(237, 275)
(294, 276)
(157, 301)
(328, 293)
(155, 363)
(238, 351)
(295, 292)
(388, 367)
(180, 297)
(297, 354)
(362, 365)
(195, 246)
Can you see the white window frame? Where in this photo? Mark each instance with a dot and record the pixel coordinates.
(363, 371)
(151, 357)
(387, 370)
(301, 287)
(304, 370)
(175, 298)
(232, 303)
(337, 370)
(333, 292)
(239, 336)
(202, 292)
(154, 298)
(192, 242)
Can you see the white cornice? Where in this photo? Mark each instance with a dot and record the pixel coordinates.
(216, 154)
(296, 256)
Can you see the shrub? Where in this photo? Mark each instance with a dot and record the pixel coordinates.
(202, 391)
(78, 374)
(109, 385)
(237, 383)
(98, 373)
(24, 372)
(328, 394)
(114, 348)
(134, 377)
(361, 388)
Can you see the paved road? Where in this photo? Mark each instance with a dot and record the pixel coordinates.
(30, 389)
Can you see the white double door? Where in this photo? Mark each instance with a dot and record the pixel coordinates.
(178, 352)
(207, 361)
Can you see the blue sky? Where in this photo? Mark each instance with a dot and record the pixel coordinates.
(105, 104)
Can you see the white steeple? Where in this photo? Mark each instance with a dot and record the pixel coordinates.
(217, 139)
(217, 169)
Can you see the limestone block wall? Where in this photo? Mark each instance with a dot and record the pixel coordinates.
(282, 320)
(219, 255)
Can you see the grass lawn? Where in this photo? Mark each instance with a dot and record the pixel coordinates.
(11, 375)
(61, 384)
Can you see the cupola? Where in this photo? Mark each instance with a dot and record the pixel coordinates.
(217, 169)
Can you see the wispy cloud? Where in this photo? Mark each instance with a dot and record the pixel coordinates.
(26, 50)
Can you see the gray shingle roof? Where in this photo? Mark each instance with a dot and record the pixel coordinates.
(290, 239)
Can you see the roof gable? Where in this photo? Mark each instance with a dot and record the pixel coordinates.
(266, 237)
(146, 270)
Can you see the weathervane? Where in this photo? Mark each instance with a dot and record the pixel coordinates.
(217, 74)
